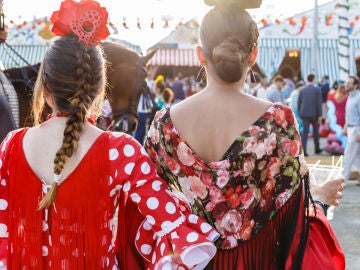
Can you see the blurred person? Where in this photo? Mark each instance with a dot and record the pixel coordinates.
(310, 111)
(293, 103)
(63, 179)
(256, 88)
(352, 127)
(273, 91)
(239, 162)
(178, 88)
(168, 96)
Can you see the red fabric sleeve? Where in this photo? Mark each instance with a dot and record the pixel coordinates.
(168, 230)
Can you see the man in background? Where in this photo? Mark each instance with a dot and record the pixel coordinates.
(310, 111)
(273, 91)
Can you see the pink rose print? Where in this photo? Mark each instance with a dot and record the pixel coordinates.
(279, 116)
(248, 197)
(216, 197)
(290, 147)
(246, 230)
(248, 167)
(303, 165)
(231, 223)
(273, 167)
(282, 198)
(159, 114)
(222, 172)
(185, 154)
(206, 178)
(233, 196)
(193, 188)
(270, 143)
(220, 210)
(154, 135)
(229, 242)
(172, 165)
(254, 130)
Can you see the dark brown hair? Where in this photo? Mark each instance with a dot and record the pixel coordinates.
(74, 75)
(228, 35)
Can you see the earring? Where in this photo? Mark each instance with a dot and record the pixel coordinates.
(252, 76)
(201, 74)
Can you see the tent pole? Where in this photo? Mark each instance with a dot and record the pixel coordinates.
(343, 41)
(314, 68)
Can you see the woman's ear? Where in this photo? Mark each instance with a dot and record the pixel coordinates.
(253, 56)
(201, 56)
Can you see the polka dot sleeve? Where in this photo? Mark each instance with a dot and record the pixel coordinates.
(4, 155)
(166, 230)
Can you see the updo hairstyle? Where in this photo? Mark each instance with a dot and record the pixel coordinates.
(228, 35)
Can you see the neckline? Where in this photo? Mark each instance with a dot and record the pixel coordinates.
(75, 169)
(224, 156)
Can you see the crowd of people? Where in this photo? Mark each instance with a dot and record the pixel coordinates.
(218, 181)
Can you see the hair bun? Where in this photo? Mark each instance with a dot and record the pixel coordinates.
(239, 4)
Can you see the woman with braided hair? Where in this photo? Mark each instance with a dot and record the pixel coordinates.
(239, 161)
(63, 179)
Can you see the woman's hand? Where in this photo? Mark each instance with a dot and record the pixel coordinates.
(328, 192)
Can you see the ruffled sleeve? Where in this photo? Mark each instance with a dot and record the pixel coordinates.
(5, 148)
(169, 235)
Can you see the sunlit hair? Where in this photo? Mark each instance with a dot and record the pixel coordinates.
(228, 36)
(74, 76)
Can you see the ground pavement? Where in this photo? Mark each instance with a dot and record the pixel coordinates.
(346, 222)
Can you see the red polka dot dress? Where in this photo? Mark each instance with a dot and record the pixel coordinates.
(78, 230)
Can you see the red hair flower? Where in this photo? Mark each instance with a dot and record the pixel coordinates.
(86, 19)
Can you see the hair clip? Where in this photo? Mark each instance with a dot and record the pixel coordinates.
(85, 19)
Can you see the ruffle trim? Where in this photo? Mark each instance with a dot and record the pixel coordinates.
(189, 245)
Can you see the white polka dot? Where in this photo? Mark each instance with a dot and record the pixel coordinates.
(193, 219)
(0, 163)
(45, 251)
(140, 183)
(75, 253)
(129, 150)
(156, 185)
(152, 203)
(170, 208)
(174, 235)
(117, 134)
(205, 227)
(137, 237)
(3, 229)
(145, 168)
(45, 226)
(113, 154)
(192, 237)
(162, 249)
(118, 187)
(147, 226)
(3, 204)
(110, 180)
(3, 182)
(113, 192)
(2, 264)
(143, 151)
(135, 197)
(150, 219)
(114, 267)
(153, 257)
(166, 225)
(129, 167)
(145, 249)
(126, 187)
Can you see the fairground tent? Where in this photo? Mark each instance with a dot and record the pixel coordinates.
(294, 37)
(278, 40)
(28, 42)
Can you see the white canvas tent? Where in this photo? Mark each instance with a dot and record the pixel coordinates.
(296, 33)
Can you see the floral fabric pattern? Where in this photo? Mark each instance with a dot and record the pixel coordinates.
(238, 194)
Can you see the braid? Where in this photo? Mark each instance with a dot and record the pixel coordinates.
(85, 91)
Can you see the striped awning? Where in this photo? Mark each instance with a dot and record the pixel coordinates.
(272, 51)
(175, 57)
(13, 56)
